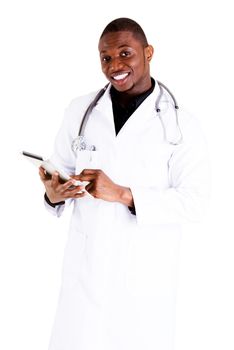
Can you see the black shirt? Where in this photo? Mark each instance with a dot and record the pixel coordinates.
(121, 114)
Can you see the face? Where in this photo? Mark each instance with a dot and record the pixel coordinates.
(125, 62)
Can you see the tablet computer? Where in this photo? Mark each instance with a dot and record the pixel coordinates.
(48, 166)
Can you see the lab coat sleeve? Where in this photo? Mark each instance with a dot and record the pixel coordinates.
(63, 155)
(57, 211)
(187, 195)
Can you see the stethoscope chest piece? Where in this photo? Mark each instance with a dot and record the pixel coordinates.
(80, 144)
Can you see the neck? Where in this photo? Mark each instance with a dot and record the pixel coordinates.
(125, 97)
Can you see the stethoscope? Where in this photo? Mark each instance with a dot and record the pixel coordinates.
(79, 143)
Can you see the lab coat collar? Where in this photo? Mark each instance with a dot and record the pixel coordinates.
(104, 105)
(142, 114)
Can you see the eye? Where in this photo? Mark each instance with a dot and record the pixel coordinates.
(125, 54)
(105, 59)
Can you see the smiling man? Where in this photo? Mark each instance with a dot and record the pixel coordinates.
(143, 173)
(125, 58)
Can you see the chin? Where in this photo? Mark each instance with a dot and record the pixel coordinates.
(123, 88)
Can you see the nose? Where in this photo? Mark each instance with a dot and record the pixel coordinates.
(115, 64)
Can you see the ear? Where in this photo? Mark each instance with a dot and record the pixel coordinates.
(149, 51)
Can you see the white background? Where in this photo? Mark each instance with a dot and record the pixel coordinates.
(49, 56)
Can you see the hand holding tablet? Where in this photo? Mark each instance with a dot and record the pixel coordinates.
(49, 167)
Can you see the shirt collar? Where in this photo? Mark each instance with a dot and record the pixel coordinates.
(137, 100)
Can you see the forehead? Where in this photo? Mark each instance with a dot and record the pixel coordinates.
(116, 40)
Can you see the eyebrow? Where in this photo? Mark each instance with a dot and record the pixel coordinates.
(119, 47)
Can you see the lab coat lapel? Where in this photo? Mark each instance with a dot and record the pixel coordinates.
(144, 112)
(104, 108)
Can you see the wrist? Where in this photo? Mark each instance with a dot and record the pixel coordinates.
(125, 196)
(51, 203)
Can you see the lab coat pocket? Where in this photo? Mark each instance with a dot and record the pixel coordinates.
(151, 265)
(154, 165)
(87, 160)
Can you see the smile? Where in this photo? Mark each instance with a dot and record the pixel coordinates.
(120, 77)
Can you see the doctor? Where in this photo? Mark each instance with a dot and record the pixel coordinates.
(120, 264)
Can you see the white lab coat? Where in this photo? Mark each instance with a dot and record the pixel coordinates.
(120, 271)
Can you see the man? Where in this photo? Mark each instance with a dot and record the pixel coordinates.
(137, 188)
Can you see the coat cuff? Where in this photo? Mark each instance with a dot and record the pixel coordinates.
(50, 203)
(170, 206)
(54, 208)
(132, 210)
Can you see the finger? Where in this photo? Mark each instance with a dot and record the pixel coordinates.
(89, 174)
(69, 185)
(78, 192)
(92, 190)
(42, 174)
(55, 179)
(89, 187)
(76, 179)
(72, 190)
(90, 171)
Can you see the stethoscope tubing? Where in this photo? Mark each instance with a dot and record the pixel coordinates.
(158, 111)
(157, 108)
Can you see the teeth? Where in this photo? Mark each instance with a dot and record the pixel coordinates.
(121, 76)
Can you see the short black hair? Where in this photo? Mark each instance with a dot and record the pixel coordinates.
(126, 25)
